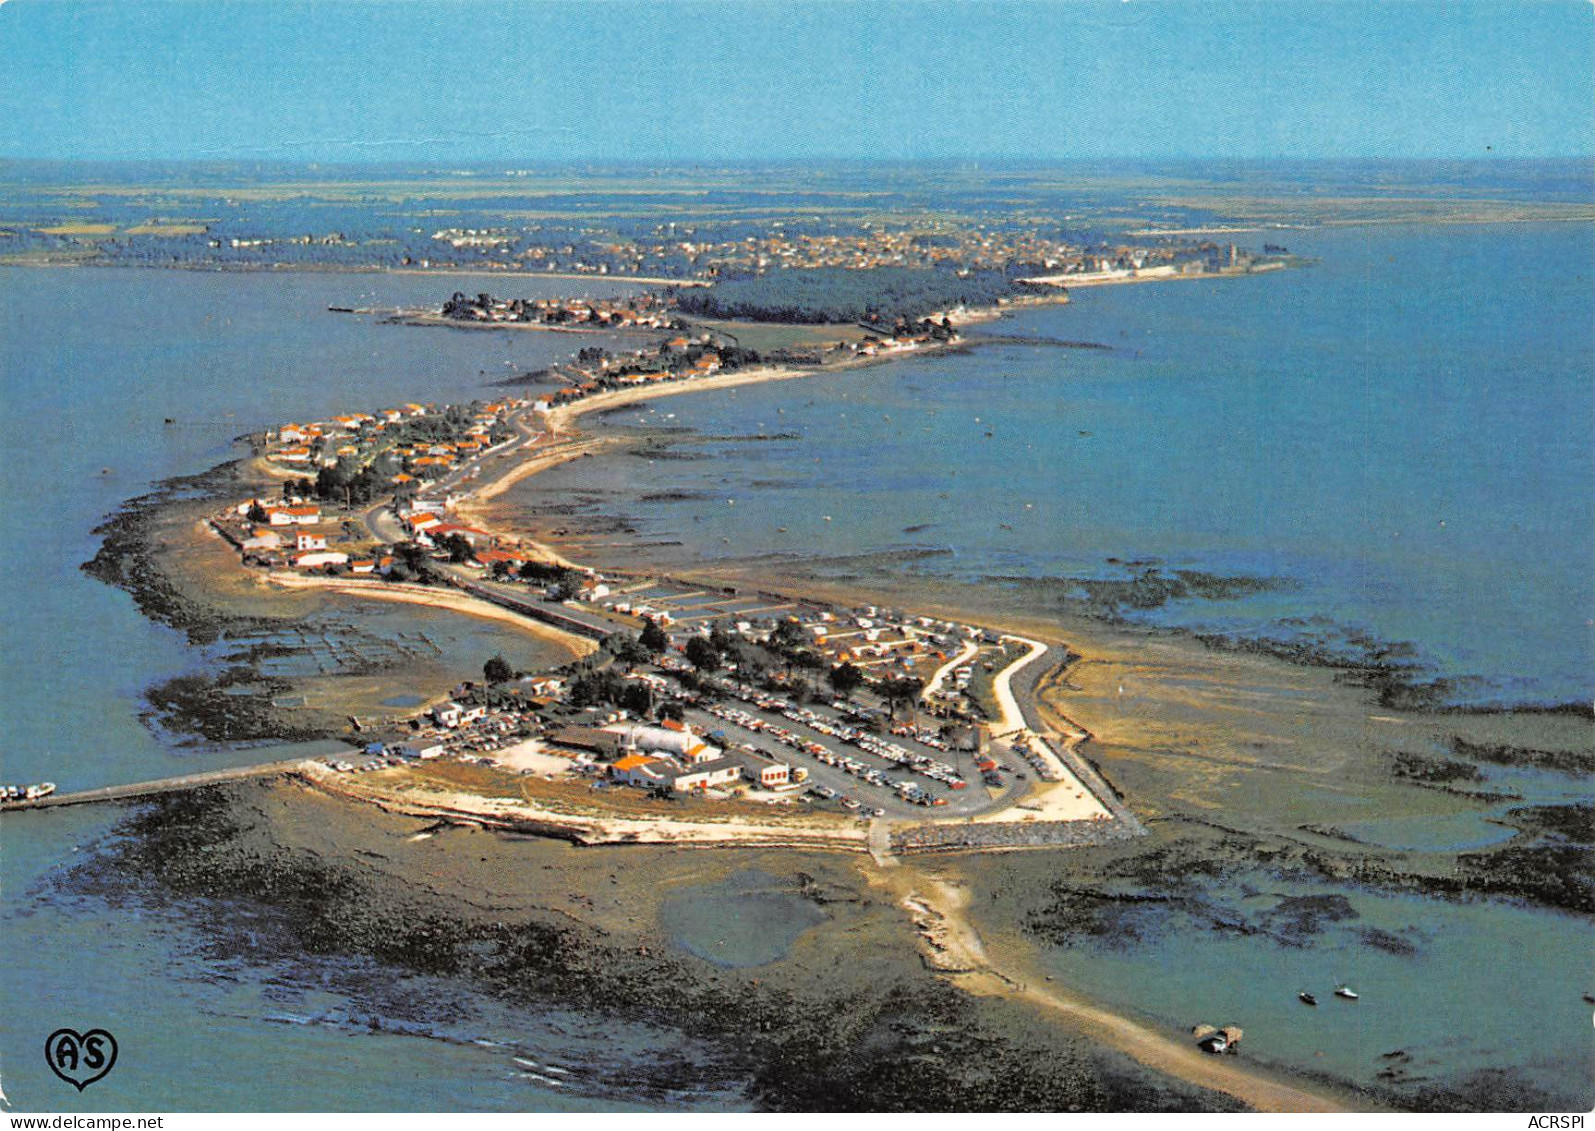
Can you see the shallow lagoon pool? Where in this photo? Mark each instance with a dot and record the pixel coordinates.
(749, 919)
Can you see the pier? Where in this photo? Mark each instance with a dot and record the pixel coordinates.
(138, 790)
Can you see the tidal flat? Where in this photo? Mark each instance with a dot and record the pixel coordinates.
(1257, 778)
(278, 664)
(846, 1017)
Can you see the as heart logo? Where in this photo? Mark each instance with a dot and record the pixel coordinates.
(80, 1058)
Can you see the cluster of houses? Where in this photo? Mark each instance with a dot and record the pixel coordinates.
(455, 728)
(879, 642)
(430, 524)
(667, 756)
(679, 249)
(676, 359)
(294, 532)
(643, 312)
(408, 448)
(1117, 264)
(422, 442)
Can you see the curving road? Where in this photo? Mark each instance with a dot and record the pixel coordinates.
(1012, 718)
(963, 657)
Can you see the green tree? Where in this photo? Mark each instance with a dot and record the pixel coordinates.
(637, 699)
(702, 654)
(411, 554)
(497, 670)
(626, 647)
(846, 679)
(458, 547)
(897, 690)
(654, 638)
(724, 640)
(788, 636)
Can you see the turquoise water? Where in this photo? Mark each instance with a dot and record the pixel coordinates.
(1398, 436)
(210, 1014)
(93, 362)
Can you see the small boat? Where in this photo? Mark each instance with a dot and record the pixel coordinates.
(1346, 992)
(1307, 998)
(1217, 1041)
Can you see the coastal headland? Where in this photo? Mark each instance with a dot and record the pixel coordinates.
(1237, 767)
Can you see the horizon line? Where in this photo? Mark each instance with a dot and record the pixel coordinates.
(474, 163)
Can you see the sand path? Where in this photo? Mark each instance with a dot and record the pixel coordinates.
(436, 599)
(940, 910)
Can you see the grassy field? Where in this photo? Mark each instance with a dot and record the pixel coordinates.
(177, 228)
(768, 336)
(79, 230)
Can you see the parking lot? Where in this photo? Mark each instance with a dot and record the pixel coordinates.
(688, 606)
(900, 775)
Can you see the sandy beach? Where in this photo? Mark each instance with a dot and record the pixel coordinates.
(941, 909)
(435, 598)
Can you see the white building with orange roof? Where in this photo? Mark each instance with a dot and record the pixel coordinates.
(262, 538)
(706, 774)
(670, 737)
(642, 770)
(302, 514)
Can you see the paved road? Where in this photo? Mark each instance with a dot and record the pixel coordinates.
(964, 656)
(384, 525)
(519, 599)
(1011, 718)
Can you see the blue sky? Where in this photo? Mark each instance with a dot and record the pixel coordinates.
(370, 81)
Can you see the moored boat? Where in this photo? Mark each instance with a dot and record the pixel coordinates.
(1217, 1041)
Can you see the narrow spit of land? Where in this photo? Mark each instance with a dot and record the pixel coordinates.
(940, 913)
(942, 904)
(1070, 794)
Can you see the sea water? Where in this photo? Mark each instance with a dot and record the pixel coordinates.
(1398, 433)
(1394, 440)
(92, 363)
